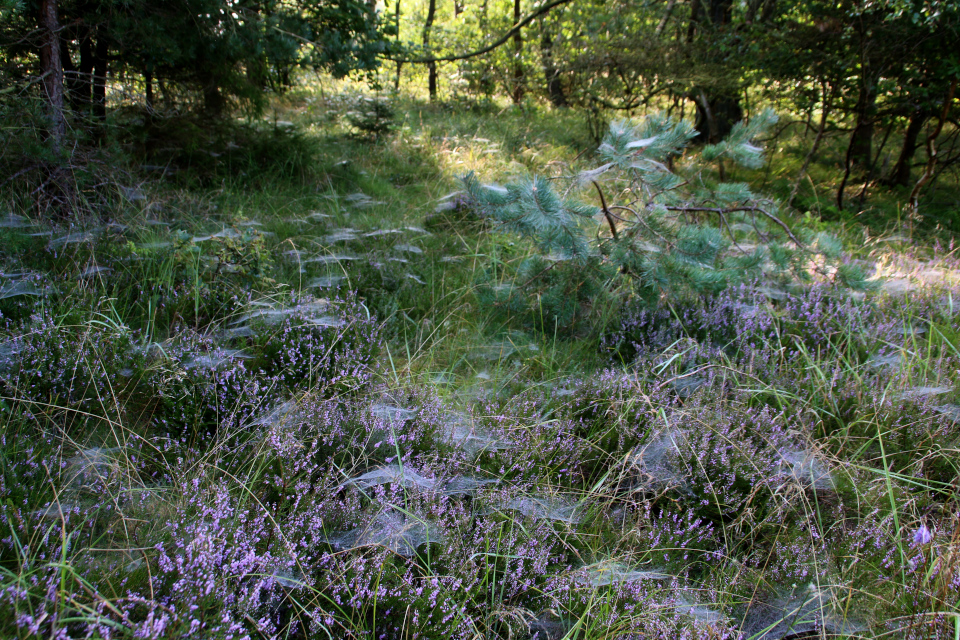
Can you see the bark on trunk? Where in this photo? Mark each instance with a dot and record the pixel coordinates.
(52, 68)
(900, 175)
(716, 116)
(431, 66)
(100, 77)
(85, 70)
(551, 73)
(861, 142)
(932, 155)
(718, 107)
(517, 57)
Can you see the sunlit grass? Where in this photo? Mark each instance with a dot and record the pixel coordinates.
(184, 435)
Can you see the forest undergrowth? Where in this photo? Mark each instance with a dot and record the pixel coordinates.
(255, 394)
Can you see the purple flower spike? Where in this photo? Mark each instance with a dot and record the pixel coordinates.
(923, 535)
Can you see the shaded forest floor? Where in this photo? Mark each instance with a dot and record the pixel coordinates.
(257, 395)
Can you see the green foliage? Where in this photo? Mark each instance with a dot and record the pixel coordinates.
(195, 279)
(669, 235)
(739, 146)
(372, 117)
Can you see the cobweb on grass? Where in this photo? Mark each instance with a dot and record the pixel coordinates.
(608, 572)
(13, 221)
(923, 393)
(326, 282)
(557, 508)
(656, 460)
(271, 315)
(805, 611)
(18, 288)
(547, 627)
(459, 431)
(403, 476)
(885, 361)
(951, 411)
(398, 532)
(331, 258)
(699, 612)
(465, 485)
(341, 235)
(392, 415)
(279, 415)
(214, 359)
(406, 477)
(92, 467)
(804, 468)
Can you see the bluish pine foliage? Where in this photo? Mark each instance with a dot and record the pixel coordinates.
(664, 232)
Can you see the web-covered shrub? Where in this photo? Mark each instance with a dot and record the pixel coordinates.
(327, 347)
(203, 386)
(81, 370)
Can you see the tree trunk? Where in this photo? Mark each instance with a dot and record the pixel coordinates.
(100, 62)
(861, 142)
(72, 82)
(52, 68)
(694, 20)
(716, 116)
(550, 71)
(517, 57)
(932, 156)
(666, 17)
(396, 81)
(148, 80)
(431, 66)
(85, 71)
(900, 175)
(718, 106)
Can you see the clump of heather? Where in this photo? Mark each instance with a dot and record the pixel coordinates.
(75, 370)
(204, 387)
(325, 346)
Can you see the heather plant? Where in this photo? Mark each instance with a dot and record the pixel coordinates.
(59, 368)
(255, 450)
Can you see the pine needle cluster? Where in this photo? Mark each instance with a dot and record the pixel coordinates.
(635, 224)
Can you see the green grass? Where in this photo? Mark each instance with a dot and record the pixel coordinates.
(789, 480)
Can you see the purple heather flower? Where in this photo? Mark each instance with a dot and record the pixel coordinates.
(923, 535)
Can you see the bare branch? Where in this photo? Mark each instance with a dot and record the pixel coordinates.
(487, 49)
(606, 212)
(720, 211)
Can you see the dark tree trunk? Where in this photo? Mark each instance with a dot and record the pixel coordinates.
(716, 116)
(861, 142)
(431, 66)
(72, 82)
(213, 103)
(396, 81)
(396, 78)
(52, 68)
(85, 86)
(100, 62)
(694, 20)
(720, 12)
(550, 71)
(148, 80)
(718, 107)
(900, 175)
(517, 57)
(932, 154)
